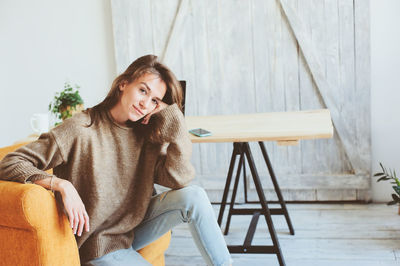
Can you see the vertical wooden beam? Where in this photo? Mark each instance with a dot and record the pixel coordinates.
(319, 78)
(363, 81)
(176, 32)
(363, 88)
(125, 29)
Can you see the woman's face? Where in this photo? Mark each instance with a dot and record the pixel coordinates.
(141, 96)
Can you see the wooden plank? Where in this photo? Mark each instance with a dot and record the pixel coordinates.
(348, 97)
(324, 236)
(163, 14)
(294, 181)
(289, 195)
(397, 255)
(337, 161)
(176, 33)
(126, 46)
(241, 260)
(195, 95)
(329, 249)
(233, 91)
(260, 260)
(213, 157)
(287, 143)
(277, 87)
(363, 82)
(364, 194)
(268, 67)
(323, 86)
(263, 38)
(311, 124)
(290, 158)
(336, 194)
(236, 35)
(321, 155)
(310, 99)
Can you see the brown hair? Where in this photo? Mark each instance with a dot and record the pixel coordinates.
(142, 65)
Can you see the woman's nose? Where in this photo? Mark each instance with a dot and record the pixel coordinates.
(144, 103)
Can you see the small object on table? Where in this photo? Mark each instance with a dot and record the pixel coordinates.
(200, 132)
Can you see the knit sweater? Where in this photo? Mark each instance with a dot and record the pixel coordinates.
(112, 167)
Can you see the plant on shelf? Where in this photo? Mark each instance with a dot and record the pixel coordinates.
(386, 175)
(66, 103)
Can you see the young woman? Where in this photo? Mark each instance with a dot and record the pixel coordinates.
(106, 161)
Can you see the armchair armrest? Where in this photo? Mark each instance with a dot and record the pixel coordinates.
(26, 206)
(31, 212)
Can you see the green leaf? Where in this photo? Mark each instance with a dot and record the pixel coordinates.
(67, 97)
(383, 178)
(379, 174)
(391, 203)
(383, 168)
(397, 189)
(395, 197)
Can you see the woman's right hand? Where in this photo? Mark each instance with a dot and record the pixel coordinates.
(74, 206)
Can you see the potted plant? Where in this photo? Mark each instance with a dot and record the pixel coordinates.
(66, 103)
(386, 175)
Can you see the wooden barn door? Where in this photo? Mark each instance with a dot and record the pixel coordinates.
(263, 56)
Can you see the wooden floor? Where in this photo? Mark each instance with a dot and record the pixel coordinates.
(326, 234)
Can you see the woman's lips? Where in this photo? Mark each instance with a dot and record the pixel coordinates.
(137, 110)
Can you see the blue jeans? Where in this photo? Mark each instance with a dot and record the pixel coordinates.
(187, 205)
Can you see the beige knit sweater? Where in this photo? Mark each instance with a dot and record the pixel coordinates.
(112, 167)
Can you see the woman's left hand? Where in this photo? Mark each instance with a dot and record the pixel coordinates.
(159, 107)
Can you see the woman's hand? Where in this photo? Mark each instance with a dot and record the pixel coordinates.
(75, 208)
(159, 107)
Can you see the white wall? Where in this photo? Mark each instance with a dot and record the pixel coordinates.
(385, 91)
(44, 43)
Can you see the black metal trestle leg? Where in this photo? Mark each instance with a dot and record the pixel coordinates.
(276, 187)
(243, 149)
(275, 211)
(281, 201)
(235, 186)
(236, 151)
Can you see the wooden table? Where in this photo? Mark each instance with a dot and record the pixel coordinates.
(286, 128)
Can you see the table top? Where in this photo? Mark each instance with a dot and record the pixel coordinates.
(287, 128)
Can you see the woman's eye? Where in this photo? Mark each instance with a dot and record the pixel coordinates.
(155, 101)
(142, 91)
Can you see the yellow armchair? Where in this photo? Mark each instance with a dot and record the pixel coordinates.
(35, 231)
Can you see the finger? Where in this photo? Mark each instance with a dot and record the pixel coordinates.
(76, 221)
(81, 223)
(86, 216)
(146, 119)
(71, 218)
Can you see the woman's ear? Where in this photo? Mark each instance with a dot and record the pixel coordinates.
(122, 85)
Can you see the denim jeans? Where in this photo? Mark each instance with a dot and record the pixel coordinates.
(187, 205)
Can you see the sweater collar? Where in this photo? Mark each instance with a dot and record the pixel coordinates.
(115, 123)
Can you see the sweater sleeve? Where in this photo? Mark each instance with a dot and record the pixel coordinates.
(173, 167)
(30, 162)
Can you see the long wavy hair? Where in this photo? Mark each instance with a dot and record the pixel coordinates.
(147, 64)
